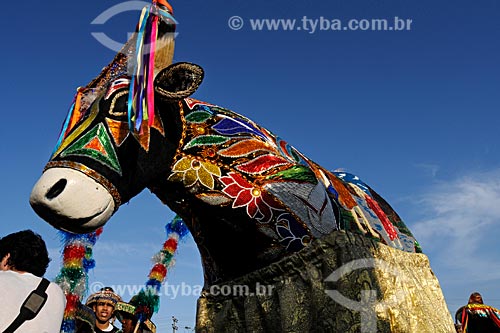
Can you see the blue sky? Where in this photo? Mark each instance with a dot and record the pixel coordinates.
(414, 113)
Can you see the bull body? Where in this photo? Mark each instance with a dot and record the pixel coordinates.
(250, 200)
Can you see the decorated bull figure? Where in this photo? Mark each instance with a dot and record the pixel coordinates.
(260, 212)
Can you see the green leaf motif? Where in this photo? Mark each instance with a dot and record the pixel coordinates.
(206, 140)
(297, 172)
(198, 116)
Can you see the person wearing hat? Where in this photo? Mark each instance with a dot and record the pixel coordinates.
(85, 319)
(103, 304)
(126, 313)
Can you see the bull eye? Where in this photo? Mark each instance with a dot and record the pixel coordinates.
(117, 93)
(118, 107)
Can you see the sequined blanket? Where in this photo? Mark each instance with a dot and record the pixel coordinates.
(342, 283)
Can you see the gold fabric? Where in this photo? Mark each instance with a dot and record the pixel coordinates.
(295, 294)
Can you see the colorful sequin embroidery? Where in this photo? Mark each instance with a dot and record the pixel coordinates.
(95, 144)
(246, 166)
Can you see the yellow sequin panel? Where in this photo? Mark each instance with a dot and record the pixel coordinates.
(190, 177)
(119, 130)
(144, 135)
(70, 138)
(211, 168)
(182, 165)
(190, 170)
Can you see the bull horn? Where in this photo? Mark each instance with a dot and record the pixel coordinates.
(178, 81)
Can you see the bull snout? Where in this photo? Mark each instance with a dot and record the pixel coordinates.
(71, 201)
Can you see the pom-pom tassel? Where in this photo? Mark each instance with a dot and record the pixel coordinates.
(73, 276)
(148, 298)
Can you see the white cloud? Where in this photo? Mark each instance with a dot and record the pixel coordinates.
(459, 222)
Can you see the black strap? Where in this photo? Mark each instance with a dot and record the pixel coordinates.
(31, 306)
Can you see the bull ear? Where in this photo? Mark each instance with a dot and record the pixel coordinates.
(178, 81)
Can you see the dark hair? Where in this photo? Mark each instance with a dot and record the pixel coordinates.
(473, 296)
(27, 250)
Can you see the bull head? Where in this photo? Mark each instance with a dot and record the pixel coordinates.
(102, 158)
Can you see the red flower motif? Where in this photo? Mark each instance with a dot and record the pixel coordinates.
(262, 164)
(255, 199)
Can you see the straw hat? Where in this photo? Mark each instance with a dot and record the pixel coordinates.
(106, 294)
(123, 310)
(85, 318)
